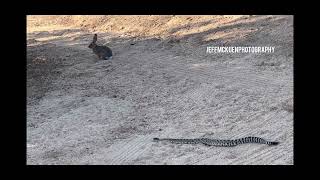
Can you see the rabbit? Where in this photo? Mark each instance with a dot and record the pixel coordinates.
(103, 52)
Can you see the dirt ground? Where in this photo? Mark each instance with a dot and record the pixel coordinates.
(160, 83)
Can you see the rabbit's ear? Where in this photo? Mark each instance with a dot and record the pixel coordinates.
(95, 38)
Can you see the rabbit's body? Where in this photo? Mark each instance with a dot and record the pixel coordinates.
(103, 52)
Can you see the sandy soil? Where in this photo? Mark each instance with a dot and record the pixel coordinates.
(160, 83)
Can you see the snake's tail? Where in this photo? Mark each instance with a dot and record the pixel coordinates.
(272, 143)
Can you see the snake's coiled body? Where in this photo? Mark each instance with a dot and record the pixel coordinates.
(218, 142)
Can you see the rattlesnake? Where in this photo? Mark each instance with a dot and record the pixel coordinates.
(218, 142)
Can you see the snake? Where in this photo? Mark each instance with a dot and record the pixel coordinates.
(218, 142)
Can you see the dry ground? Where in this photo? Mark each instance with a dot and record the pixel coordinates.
(160, 83)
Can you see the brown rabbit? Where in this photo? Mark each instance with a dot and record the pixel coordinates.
(103, 52)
